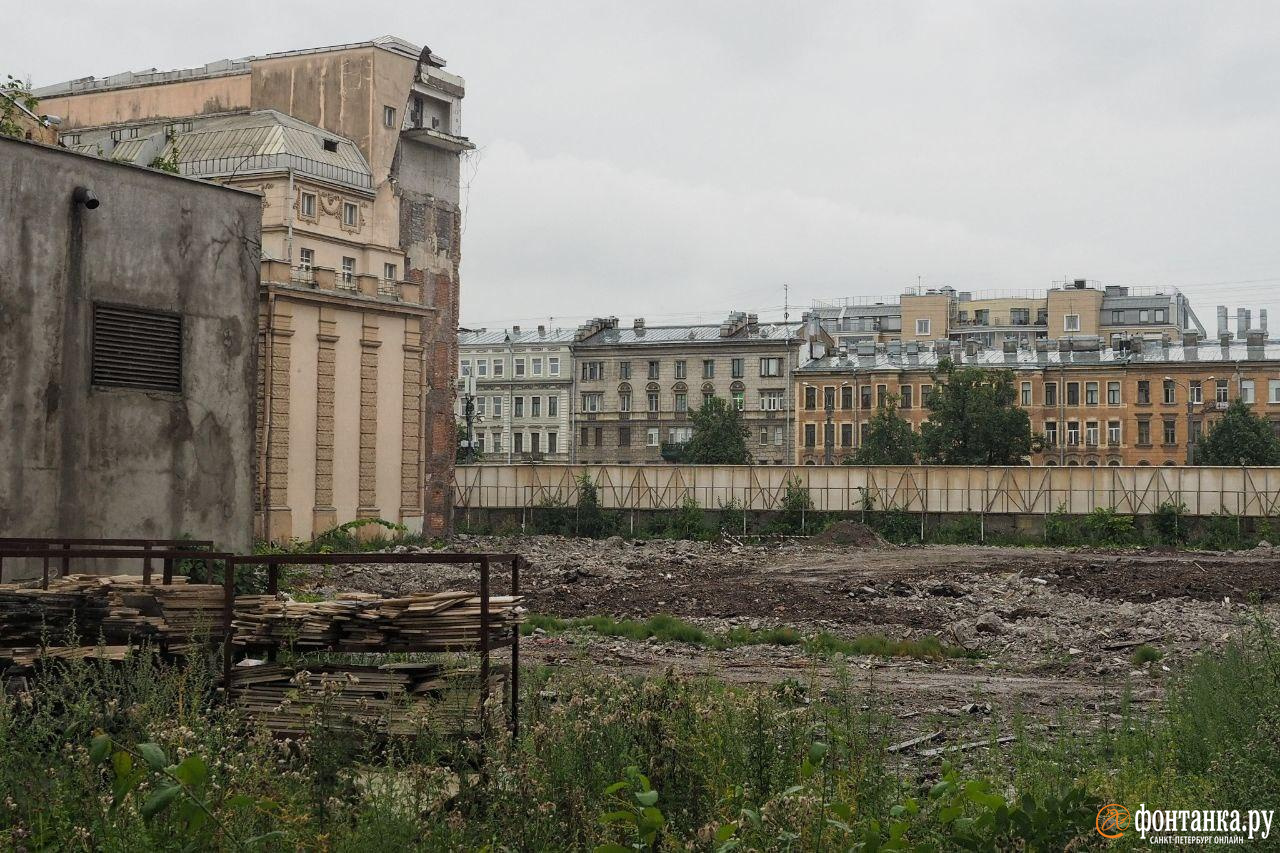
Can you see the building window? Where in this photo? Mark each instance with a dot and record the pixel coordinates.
(389, 116)
(497, 442)
(306, 258)
(777, 436)
(517, 407)
(1073, 393)
(480, 442)
(1273, 391)
(1050, 433)
(882, 395)
(498, 365)
(1144, 433)
(740, 400)
(537, 366)
(308, 205)
(651, 436)
(480, 405)
(1113, 433)
(624, 370)
(1143, 315)
(1073, 433)
(1091, 434)
(846, 435)
(1221, 391)
(707, 397)
(864, 397)
(1170, 392)
(1091, 393)
(682, 401)
(551, 441)
(497, 406)
(599, 436)
(680, 435)
(680, 369)
(465, 367)
(810, 435)
(1246, 390)
(553, 366)
(810, 397)
(585, 441)
(764, 435)
(624, 401)
(1161, 315)
(519, 367)
(535, 407)
(624, 436)
(735, 368)
(1144, 392)
(553, 405)
(592, 370)
(653, 370)
(350, 215)
(482, 367)
(1170, 431)
(828, 435)
(1113, 393)
(1026, 393)
(1197, 391)
(904, 395)
(771, 401)
(1051, 393)
(1071, 322)
(590, 402)
(923, 326)
(517, 442)
(828, 397)
(534, 442)
(348, 269)
(846, 397)
(1117, 316)
(770, 367)
(389, 272)
(653, 401)
(708, 368)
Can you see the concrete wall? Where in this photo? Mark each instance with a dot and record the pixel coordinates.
(82, 461)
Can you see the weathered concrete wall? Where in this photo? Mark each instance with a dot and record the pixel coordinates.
(83, 461)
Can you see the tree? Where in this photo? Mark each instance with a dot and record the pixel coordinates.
(1239, 438)
(719, 436)
(890, 439)
(973, 419)
(15, 101)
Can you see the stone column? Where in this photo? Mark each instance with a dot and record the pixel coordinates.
(325, 515)
(273, 421)
(369, 343)
(411, 436)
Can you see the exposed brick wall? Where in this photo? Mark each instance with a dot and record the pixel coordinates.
(369, 344)
(324, 514)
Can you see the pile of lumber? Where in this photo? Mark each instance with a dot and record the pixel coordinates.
(445, 621)
(117, 610)
(395, 698)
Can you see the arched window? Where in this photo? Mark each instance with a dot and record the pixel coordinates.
(1051, 463)
(1114, 463)
(1072, 463)
(1092, 463)
(1144, 464)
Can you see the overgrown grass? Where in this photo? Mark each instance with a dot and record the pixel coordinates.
(1145, 654)
(669, 629)
(787, 767)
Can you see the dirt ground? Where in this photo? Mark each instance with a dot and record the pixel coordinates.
(1056, 628)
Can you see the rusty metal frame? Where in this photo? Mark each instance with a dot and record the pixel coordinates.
(38, 543)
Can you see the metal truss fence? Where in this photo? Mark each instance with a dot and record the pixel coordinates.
(1206, 490)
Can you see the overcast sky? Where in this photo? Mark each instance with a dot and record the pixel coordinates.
(678, 160)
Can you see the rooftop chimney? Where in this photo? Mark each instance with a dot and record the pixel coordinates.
(1010, 345)
(1255, 337)
(1242, 322)
(1191, 339)
(515, 330)
(1223, 329)
(542, 330)
(637, 325)
(1262, 319)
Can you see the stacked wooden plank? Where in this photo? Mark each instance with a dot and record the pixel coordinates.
(399, 698)
(116, 610)
(445, 621)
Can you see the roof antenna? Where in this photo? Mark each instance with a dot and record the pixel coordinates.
(786, 302)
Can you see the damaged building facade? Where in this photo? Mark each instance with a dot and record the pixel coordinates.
(355, 150)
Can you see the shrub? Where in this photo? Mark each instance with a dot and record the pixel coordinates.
(1060, 528)
(687, 521)
(1170, 523)
(896, 525)
(590, 519)
(1222, 532)
(1105, 526)
(551, 517)
(1146, 654)
(797, 516)
(733, 520)
(963, 530)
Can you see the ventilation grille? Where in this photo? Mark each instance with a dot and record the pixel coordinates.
(136, 348)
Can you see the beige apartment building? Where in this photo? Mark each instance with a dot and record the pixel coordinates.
(1078, 308)
(636, 387)
(1145, 403)
(520, 383)
(355, 152)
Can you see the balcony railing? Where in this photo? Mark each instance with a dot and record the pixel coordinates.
(302, 275)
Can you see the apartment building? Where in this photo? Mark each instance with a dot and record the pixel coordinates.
(354, 150)
(1143, 403)
(636, 387)
(1078, 308)
(520, 382)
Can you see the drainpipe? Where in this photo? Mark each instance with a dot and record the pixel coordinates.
(289, 223)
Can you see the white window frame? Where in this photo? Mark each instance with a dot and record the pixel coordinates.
(499, 367)
(553, 366)
(553, 405)
(517, 407)
(307, 205)
(1026, 394)
(390, 272)
(1248, 391)
(924, 326)
(464, 367)
(306, 258)
(1113, 433)
(772, 401)
(1273, 387)
(770, 366)
(592, 401)
(519, 368)
(497, 407)
(482, 367)
(1113, 386)
(1070, 322)
(536, 365)
(348, 269)
(388, 116)
(651, 437)
(350, 214)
